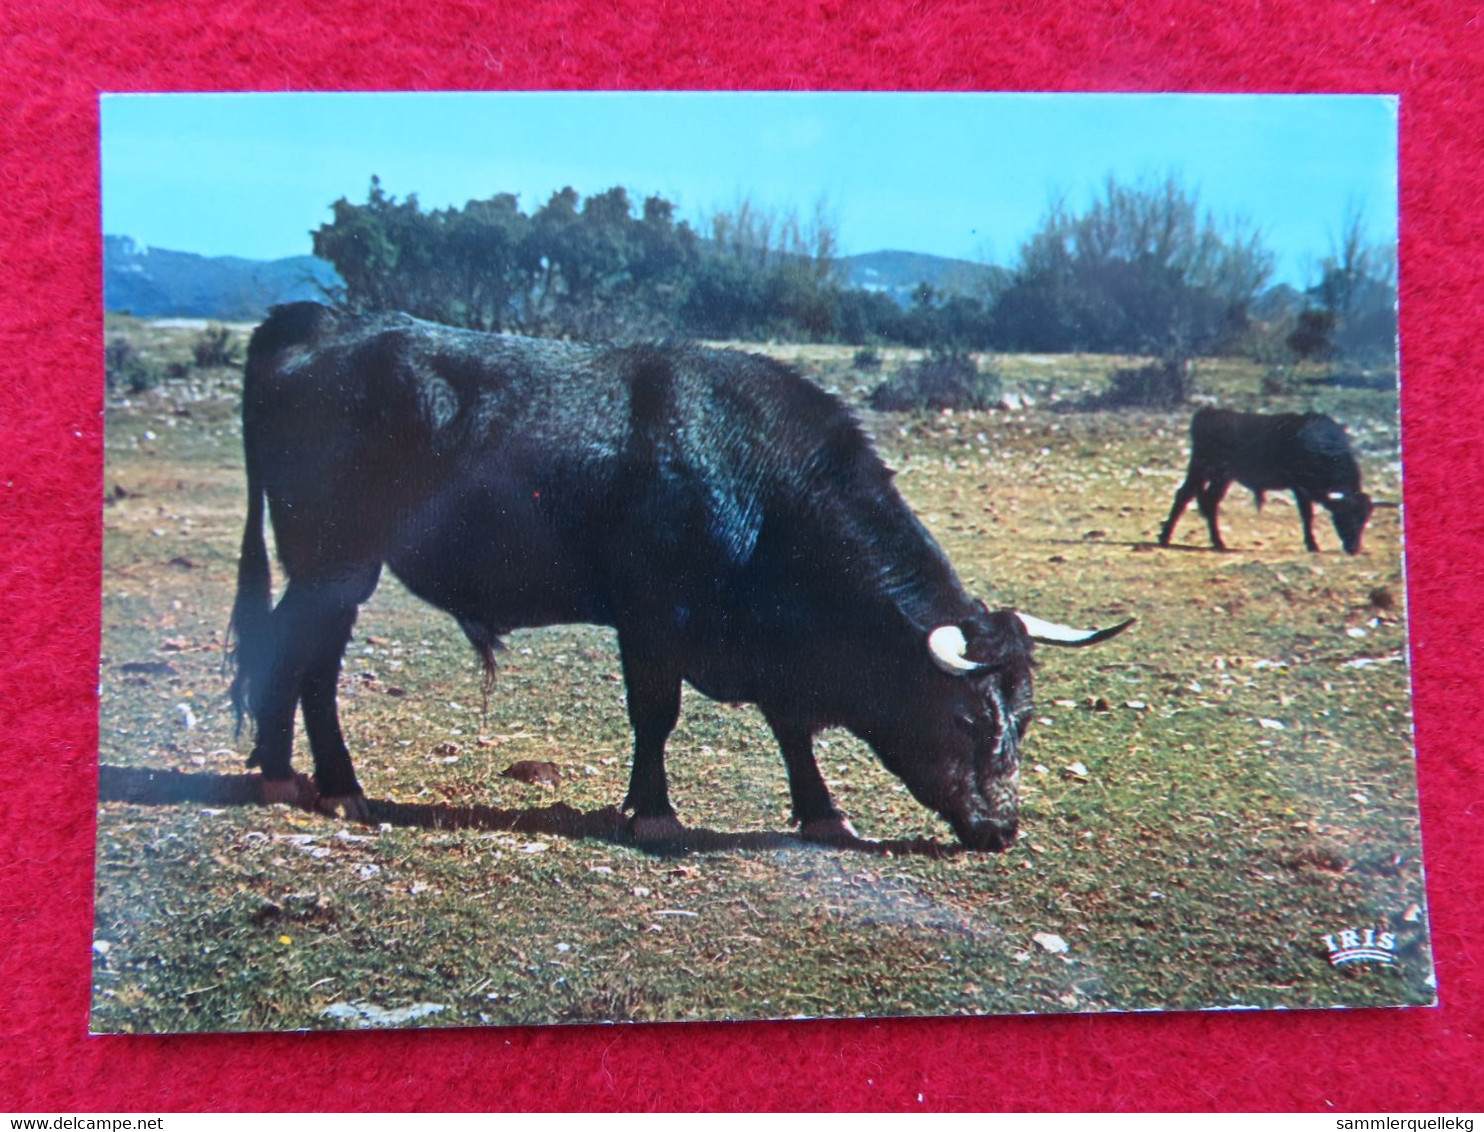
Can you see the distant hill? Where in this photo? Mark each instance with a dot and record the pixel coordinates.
(156, 283)
(1278, 302)
(899, 273)
(153, 282)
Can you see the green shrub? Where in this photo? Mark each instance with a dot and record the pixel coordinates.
(215, 348)
(948, 380)
(1279, 381)
(1159, 385)
(1313, 336)
(124, 367)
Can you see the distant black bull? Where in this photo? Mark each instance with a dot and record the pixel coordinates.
(727, 517)
(1305, 453)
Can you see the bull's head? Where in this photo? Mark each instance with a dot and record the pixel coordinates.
(1351, 510)
(967, 767)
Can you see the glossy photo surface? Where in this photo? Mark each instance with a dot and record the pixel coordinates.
(658, 557)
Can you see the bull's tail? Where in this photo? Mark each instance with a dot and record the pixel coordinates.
(250, 632)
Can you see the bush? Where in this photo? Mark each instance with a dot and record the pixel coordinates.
(942, 381)
(1160, 385)
(1279, 381)
(215, 348)
(1312, 337)
(125, 367)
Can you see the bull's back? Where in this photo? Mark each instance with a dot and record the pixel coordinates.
(526, 480)
(518, 482)
(1273, 451)
(363, 434)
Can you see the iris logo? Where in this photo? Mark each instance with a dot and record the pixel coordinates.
(1360, 945)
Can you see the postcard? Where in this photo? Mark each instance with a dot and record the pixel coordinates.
(652, 557)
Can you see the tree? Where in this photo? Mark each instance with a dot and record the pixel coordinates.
(863, 317)
(459, 266)
(1311, 337)
(486, 257)
(362, 241)
(588, 268)
(1354, 301)
(766, 272)
(1140, 271)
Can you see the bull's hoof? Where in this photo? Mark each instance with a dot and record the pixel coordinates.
(835, 830)
(352, 807)
(298, 791)
(656, 830)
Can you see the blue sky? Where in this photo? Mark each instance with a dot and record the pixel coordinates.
(961, 175)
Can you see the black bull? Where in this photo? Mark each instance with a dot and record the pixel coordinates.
(728, 518)
(1305, 453)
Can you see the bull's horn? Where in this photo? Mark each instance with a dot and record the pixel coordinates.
(1335, 496)
(1049, 633)
(947, 645)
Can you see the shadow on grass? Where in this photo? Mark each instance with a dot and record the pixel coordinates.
(1139, 545)
(141, 786)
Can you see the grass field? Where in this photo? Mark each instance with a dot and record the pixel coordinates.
(1203, 799)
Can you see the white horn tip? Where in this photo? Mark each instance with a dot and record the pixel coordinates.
(1050, 633)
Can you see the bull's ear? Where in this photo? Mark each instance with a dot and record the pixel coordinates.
(1050, 633)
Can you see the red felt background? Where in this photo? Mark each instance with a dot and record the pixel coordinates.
(59, 56)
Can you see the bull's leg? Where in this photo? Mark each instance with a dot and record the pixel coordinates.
(814, 809)
(334, 776)
(1209, 502)
(273, 718)
(1186, 492)
(310, 627)
(652, 683)
(1305, 503)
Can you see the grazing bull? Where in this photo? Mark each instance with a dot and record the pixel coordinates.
(1305, 453)
(728, 518)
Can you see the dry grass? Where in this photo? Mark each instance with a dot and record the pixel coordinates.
(1188, 853)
